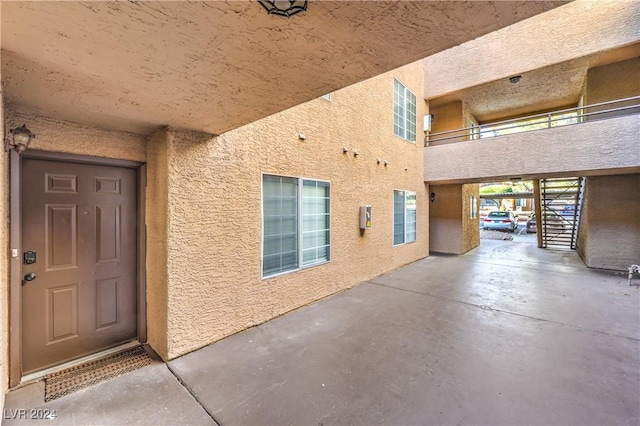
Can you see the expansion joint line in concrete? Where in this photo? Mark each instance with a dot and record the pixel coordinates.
(489, 308)
(523, 265)
(193, 395)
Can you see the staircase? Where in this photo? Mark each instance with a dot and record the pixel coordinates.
(560, 201)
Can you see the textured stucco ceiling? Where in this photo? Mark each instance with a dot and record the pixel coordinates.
(545, 89)
(214, 66)
(552, 52)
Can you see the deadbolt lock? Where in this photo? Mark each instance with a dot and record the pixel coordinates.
(29, 257)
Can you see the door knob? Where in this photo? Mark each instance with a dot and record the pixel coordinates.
(30, 277)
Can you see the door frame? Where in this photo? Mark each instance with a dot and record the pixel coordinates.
(15, 241)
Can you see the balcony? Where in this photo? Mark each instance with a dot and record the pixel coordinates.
(597, 139)
(547, 120)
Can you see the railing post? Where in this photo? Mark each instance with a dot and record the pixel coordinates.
(538, 211)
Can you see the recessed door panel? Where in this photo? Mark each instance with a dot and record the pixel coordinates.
(62, 313)
(107, 302)
(107, 233)
(79, 235)
(61, 183)
(61, 235)
(105, 185)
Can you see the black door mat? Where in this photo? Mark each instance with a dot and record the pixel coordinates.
(84, 375)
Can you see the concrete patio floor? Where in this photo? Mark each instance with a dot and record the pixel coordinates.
(505, 334)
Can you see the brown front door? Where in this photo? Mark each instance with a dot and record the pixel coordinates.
(79, 295)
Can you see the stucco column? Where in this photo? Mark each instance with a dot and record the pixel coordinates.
(169, 265)
(610, 223)
(157, 239)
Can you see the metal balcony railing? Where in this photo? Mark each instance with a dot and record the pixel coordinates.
(546, 120)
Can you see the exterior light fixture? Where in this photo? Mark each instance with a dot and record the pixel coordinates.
(515, 79)
(21, 138)
(432, 196)
(284, 8)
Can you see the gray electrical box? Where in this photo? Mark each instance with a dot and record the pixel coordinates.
(365, 217)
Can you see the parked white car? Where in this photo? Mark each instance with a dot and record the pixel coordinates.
(502, 221)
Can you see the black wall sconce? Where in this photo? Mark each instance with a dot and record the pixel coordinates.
(432, 196)
(284, 8)
(20, 140)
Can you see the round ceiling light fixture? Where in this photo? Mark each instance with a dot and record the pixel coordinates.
(284, 8)
(515, 79)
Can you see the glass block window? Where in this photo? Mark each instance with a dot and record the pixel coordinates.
(404, 217)
(295, 224)
(315, 222)
(404, 112)
(280, 224)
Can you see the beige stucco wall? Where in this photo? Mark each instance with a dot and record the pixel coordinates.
(610, 224)
(592, 148)
(445, 219)
(4, 270)
(214, 284)
(467, 116)
(157, 240)
(72, 138)
(454, 115)
(452, 230)
(470, 226)
(446, 116)
(615, 81)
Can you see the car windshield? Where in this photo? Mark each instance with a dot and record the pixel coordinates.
(498, 214)
(548, 215)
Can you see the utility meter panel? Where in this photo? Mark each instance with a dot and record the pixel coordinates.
(365, 217)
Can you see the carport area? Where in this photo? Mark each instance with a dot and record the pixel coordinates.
(505, 334)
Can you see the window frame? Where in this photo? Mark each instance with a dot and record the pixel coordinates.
(473, 207)
(405, 217)
(299, 230)
(409, 135)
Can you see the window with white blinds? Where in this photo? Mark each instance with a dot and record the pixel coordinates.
(404, 217)
(295, 224)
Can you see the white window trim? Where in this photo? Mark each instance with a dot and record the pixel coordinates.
(405, 218)
(415, 123)
(299, 212)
